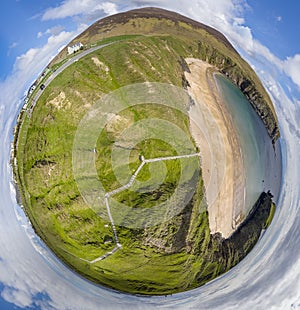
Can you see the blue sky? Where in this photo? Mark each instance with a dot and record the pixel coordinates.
(274, 23)
(267, 30)
(20, 22)
(267, 33)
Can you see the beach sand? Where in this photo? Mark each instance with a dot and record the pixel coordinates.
(223, 169)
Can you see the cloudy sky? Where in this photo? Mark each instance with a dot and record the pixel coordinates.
(265, 30)
(266, 33)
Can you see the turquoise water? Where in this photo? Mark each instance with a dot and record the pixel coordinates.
(262, 161)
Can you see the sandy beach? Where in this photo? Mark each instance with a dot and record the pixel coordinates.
(221, 157)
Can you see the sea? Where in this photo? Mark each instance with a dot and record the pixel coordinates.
(262, 159)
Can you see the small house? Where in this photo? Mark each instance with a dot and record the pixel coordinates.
(74, 48)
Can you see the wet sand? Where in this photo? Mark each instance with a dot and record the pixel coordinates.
(221, 157)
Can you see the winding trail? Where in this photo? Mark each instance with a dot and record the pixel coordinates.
(127, 186)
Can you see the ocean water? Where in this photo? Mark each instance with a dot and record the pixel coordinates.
(262, 160)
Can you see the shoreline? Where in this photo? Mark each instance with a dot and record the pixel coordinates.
(223, 168)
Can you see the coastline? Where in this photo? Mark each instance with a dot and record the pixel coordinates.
(223, 168)
(262, 157)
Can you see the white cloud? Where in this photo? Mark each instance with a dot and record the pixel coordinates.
(292, 68)
(14, 45)
(71, 8)
(19, 298)
(30, 63)
(54, 31)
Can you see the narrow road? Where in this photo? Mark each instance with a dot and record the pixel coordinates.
(69, 62)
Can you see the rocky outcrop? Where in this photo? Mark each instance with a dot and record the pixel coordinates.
(245, 237)
(258, 103)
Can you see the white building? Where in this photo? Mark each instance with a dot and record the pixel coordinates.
(74, 48)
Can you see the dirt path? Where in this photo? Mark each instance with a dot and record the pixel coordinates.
(221, 157)
(124, 187)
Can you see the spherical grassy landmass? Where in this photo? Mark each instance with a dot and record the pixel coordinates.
(178, 253)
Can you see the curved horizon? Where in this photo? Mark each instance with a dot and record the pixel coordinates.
(252, 283)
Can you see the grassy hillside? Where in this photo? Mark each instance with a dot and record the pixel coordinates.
(202, 41)
(173, 256)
